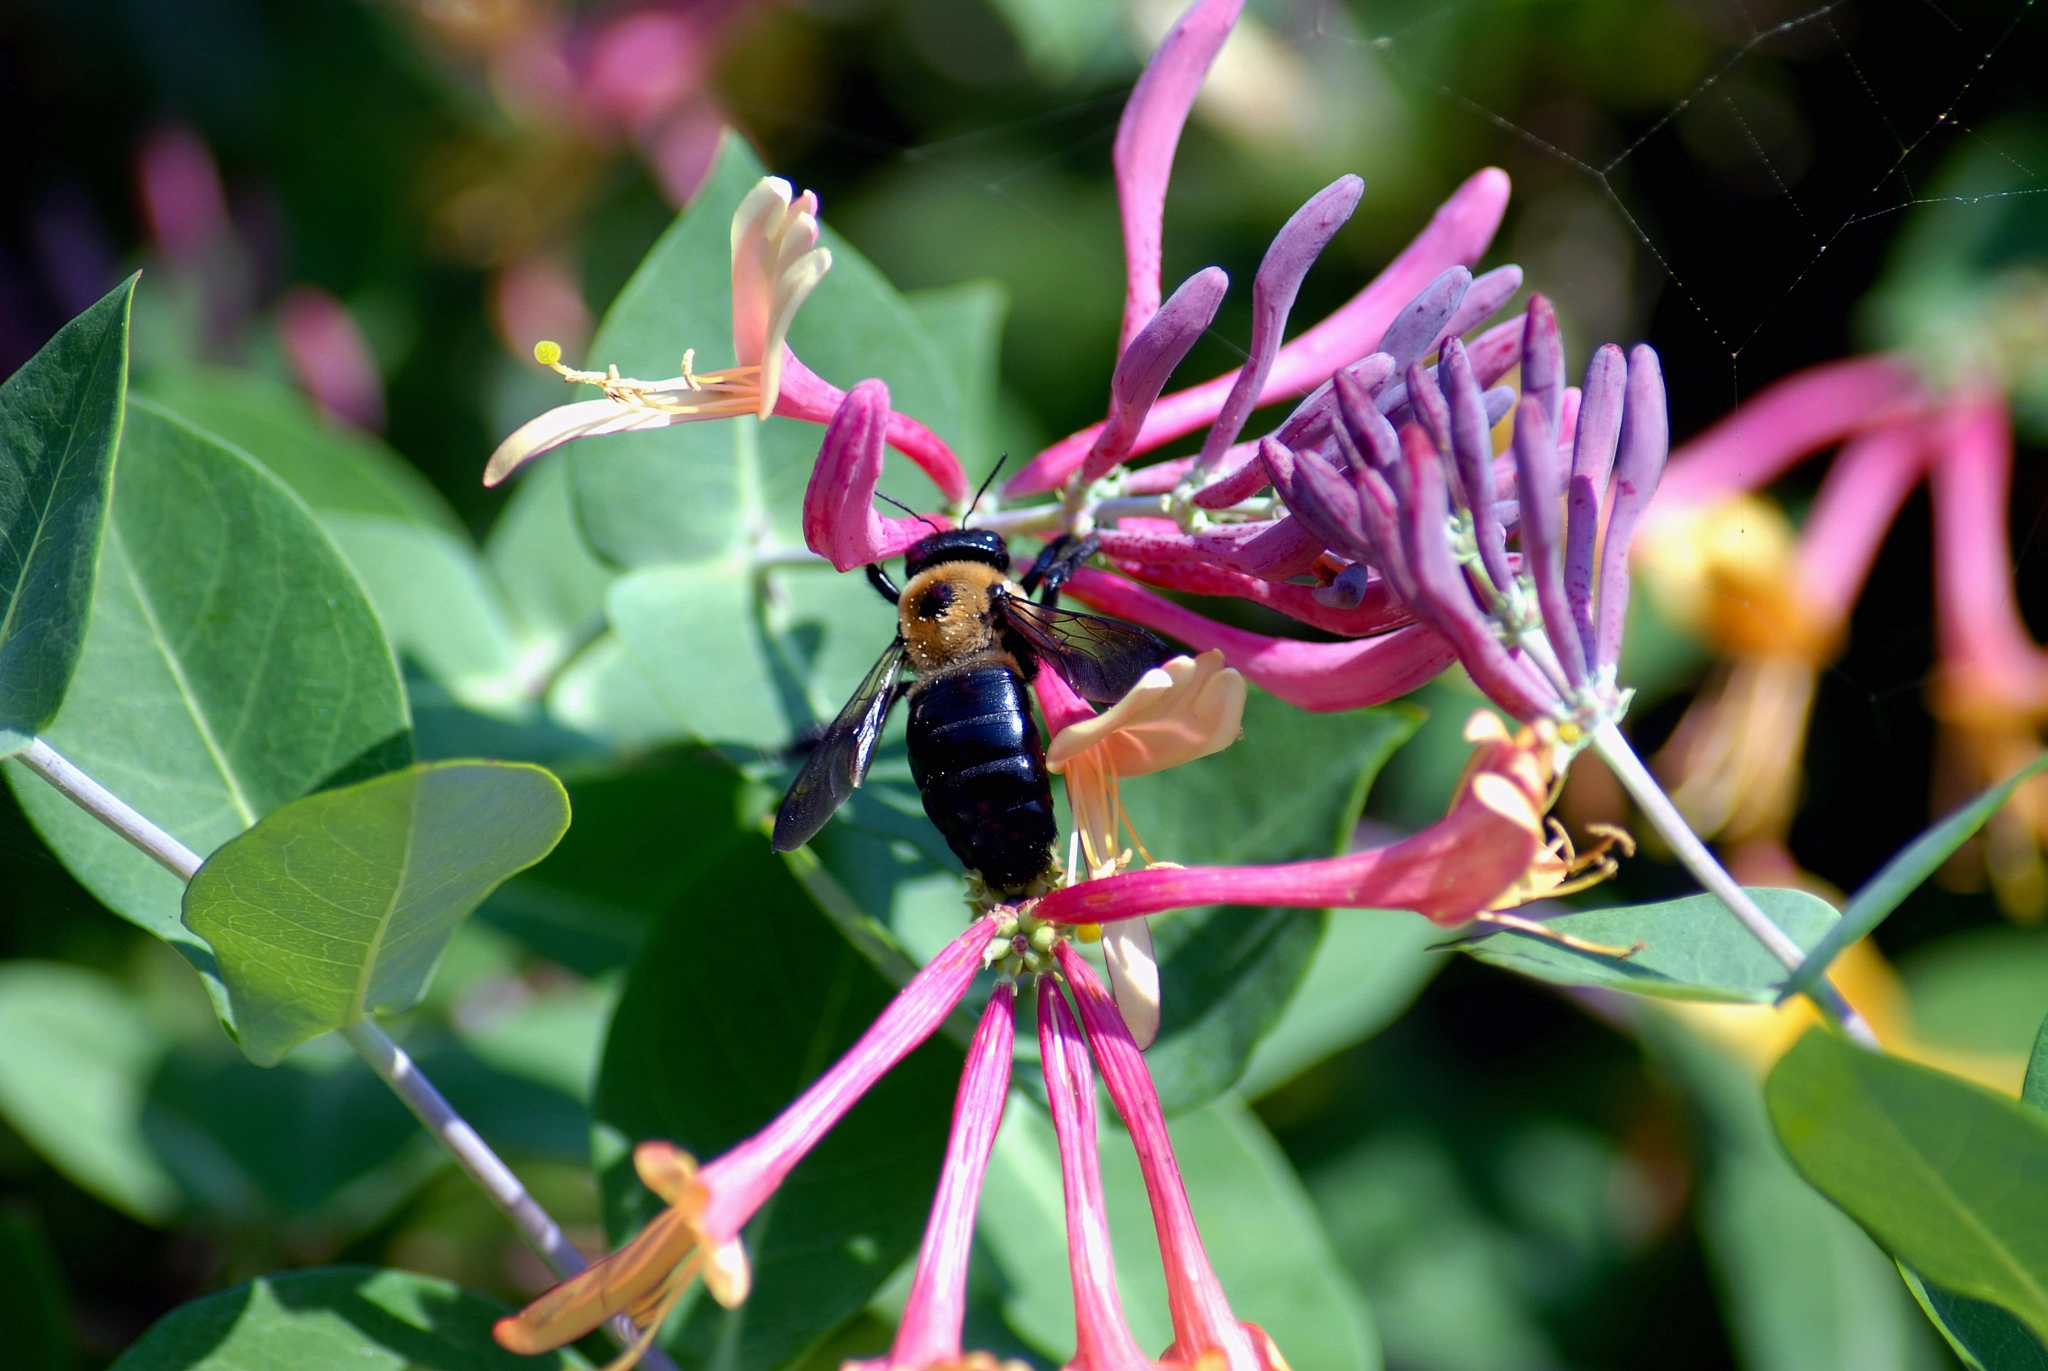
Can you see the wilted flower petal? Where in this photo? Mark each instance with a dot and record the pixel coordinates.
(776, 264)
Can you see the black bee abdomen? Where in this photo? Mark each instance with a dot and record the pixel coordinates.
(975, 754)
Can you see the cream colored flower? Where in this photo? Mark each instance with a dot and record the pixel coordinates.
(776, 263)
(1187, 708)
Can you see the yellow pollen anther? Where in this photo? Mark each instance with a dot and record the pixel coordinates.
(547, 352)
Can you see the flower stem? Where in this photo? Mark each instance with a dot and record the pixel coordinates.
(1628, 768)
(385, 1057)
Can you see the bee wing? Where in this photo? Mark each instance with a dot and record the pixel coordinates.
(1101, 658)
(840, 760)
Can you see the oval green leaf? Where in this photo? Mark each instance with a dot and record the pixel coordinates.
(60, 423)
(1947, 1176)
(340, 905)
(76, 1057)
(337, 1318)
(1692, 949)
(233, 664)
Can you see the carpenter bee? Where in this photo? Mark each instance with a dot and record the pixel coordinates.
(973, 639)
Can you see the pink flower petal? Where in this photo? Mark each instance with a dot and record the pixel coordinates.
(1318, 676)
(1202, 1321)
(741, 1180)
(806, 395)
(1146, 137)
(840, 522)
(1459, 232)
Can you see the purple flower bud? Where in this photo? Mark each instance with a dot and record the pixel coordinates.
(1488, 294)
(1142, 371)
(1421, 321)
(1592, 463)
(1295, 248)
(1364, 425)
(1320, 497)
(1315, 416)
(1443, 594)
(1497, 403)
(1645, 442)
(1348, 589)
(1471, 449)
(1543, 360)
(1537, 466)
(1427, 401)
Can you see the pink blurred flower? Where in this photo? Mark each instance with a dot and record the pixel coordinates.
(330, 356)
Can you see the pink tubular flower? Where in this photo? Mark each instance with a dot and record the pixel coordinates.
(929, 1335)
(1990, 694)
(1318, 676)
(776, 264)
(1203, 1325)
(1453, 871)
(840, 522)
(1459, 233)
(1102, 1338)
(708, 1207)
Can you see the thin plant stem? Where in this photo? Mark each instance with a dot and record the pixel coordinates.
(1628, 768)
(385, 1057)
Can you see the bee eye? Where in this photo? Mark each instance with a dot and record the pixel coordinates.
(934, 600)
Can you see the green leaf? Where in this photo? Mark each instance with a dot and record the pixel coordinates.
(438, 606)
(1981, 990)
(1803, 1287)
(76, 1056)
(334, 470)
(1947, 1176)
(1370, 964)
(1693, 948)
(550, 578)
(2034, 1089)
(319, 1145)
(1900, 876)
(60, 423)
(1258, 1226)
(644, 834)
(33, 1306)
(698, 492)
(233, 664)
(965, 322)
(745, 994)
(339, 905)
(336, 1318)
(737, 670)
(1984, 1336)
(1291, 788)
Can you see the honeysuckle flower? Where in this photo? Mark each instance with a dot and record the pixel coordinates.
(1453, 871)
(928, 1335)
(1542, 634)
(1990, 692)
(1181, 710)
(708, 1207)
(776, 264)
(840, 522)
(1205, 1330)
(1775, 606)
(1102, 1337)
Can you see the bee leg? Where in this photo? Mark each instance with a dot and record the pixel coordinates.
(1062, 557)
(884, 587)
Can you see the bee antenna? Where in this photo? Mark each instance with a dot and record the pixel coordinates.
(990, 480)
(908, 510)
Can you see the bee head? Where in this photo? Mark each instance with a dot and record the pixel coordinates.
(958, 545)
